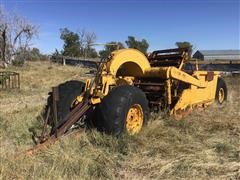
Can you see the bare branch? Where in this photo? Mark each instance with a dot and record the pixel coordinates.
(90, 38)
(15, 35)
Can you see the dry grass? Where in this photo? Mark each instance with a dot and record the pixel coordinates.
(204, 145)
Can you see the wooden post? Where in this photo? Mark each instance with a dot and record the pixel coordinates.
(64, 61)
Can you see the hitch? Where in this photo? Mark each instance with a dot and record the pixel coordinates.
(59, 129)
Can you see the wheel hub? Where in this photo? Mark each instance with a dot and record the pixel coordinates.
(221, 95)
(134, 120)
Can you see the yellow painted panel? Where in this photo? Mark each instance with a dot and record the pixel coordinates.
(131, 61)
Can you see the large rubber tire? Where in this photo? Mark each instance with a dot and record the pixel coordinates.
(68, 91)
(111, 114)
(221, 89)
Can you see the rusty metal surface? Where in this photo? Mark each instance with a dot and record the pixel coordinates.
(62, 130)
(175, 50)
(167, 57)
(150, 88)
(42, 138)
(39, 147)
(76, 114)
(209, 76)
(54, 107)
(148, 84)
(60, 127)
(182, 113)
(9, 80)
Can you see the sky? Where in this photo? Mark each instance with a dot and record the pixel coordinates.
(207, 24)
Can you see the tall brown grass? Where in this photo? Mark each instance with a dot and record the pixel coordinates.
(204, 145)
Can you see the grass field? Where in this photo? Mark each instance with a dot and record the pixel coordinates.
(204, 145)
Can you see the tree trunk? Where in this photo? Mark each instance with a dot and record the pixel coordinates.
(4, 46)
(5, 65)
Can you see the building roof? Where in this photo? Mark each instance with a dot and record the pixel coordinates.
(219, 52)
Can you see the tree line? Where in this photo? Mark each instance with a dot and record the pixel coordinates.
(82, 43)
(16, 34)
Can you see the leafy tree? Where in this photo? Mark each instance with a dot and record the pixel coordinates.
(110, 47)
(71, 45)
(140, 45)
(35, 54)
(104, 54)
(35, 51)
(185, 44)
(78, 44)
(28, 55)
(56, 53)
(91, 53)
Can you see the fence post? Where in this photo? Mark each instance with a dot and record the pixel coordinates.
(64, 61)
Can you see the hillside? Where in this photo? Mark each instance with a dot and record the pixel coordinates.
(203, 145)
